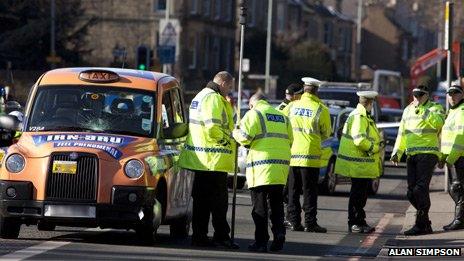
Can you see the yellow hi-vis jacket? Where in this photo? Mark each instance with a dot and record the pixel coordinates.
(452, 135)
(268, 133)
(419, 130)
(310, 120)
(358, 154)
(209, 145)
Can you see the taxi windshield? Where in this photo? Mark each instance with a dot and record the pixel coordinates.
(93, 109)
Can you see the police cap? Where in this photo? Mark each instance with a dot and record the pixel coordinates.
(367, 94)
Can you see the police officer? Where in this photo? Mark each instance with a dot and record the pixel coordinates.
(358, 158)
(452, 147)
(209, 151)
(418, 134)
(310, 121)
(264, 129)
(292, 93)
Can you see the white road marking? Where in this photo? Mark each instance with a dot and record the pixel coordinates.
(33, 250)
(369, 241)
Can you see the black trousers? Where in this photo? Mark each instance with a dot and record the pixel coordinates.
(302, 179)
(456, 182)
(259, 198)
(357, 201)
(420, 169)
(210, 196)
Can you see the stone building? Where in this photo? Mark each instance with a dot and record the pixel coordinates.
(206, 35)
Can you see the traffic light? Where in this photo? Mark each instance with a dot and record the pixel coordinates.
(142, 58)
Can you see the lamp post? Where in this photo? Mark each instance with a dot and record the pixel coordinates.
(268, 48)
(242, 22)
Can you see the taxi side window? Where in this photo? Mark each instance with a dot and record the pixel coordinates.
(172, 111)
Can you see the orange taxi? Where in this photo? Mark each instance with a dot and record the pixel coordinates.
(99, 148)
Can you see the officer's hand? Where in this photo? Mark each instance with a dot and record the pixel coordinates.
(441, 164)
(394, 159)
(382, 144)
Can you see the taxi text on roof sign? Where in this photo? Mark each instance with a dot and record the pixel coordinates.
(99, 76)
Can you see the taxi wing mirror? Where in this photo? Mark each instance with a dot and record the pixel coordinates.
(177, 130)
(9, 123)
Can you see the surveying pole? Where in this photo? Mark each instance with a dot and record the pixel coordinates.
(242, 22)
(448, 48)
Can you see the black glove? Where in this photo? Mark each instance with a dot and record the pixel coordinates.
(382, 144)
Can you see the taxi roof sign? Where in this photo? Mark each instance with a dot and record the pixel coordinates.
(99, 76)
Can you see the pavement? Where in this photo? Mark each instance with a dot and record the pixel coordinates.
(441, 213)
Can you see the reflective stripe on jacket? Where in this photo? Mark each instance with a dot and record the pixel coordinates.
(310, 120)
(268, 133)
(419, 130)
(209, 145)
(358, 154)
(452, 135)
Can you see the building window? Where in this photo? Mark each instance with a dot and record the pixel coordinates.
(192, 53)
(216, 52)
(252, 13)
(206, 50)
(229, 52)
(280, 17)
(229, 10)
(217, 9)
(207, 8)
(193, 6)
(328, 33)
(159, 5)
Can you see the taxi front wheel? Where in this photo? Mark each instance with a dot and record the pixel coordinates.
(9, 228)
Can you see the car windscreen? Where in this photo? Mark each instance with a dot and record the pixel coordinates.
(332, 94)
(93, 109)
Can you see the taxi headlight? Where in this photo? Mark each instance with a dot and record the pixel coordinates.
(15, 163)
(134, 169)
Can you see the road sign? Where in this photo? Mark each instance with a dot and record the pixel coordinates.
(169, 32)
(166, 54)
(246, 65)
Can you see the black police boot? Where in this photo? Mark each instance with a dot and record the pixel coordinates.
(227, 243)
(278, 243)
(315, 228)
(423, 225)
(258, 247)
(458, 222)
(203, 242)
(296, 227)
(362, 229)
(418, 230)
(287, 223)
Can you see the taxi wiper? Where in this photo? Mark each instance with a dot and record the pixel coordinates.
(73, 128)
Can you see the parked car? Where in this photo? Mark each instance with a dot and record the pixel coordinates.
(340, 91)
(328, 180)
(389, 123)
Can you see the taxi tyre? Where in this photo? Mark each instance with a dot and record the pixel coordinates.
(148, 229)
(373, 186)
(330, 179)
(9, 228)
(240, 182)
(180, 228)
(43, 226)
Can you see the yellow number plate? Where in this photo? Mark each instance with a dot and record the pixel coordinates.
(65, 167)
(2, 154)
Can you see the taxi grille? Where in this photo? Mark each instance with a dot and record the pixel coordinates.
(79, 187)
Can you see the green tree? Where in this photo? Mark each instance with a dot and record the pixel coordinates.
(310, 59)
(25, 32)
